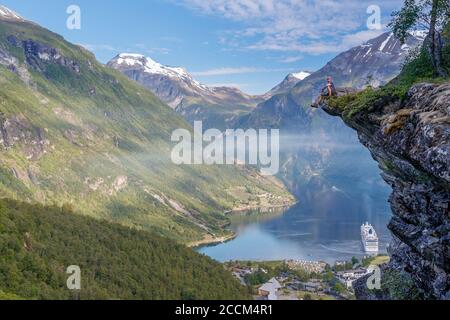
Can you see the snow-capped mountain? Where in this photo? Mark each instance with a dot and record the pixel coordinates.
(151, 66)
(8, 14)
(300, 75)
(170, 84)
(288, 83)
(375, 63)
(215, 106)
(174, 85)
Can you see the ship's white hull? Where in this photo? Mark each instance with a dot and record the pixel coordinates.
(369, 238)
(370, 248)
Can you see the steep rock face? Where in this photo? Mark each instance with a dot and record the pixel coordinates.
(37, 55)
(17, 130)
(411, 142)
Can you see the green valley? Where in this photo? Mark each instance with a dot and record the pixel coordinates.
(76, 133)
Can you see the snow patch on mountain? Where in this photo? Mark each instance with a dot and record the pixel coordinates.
(176, 87)
(288, 83)
(301, 75)
(9, 14)
(419, 34)
(388, 44)
(385, 42)
(152, 67)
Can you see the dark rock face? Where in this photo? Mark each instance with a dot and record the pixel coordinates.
(8, 60)
(13, 41)
(18, 131)
(37, 55)
(12, 63)
(411, 142)
(162, 86)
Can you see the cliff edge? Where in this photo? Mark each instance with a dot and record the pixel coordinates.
(410, 139)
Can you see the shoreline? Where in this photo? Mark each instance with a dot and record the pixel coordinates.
(260, 209)
(210, 241)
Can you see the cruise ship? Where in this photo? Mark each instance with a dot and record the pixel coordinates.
(369, 238)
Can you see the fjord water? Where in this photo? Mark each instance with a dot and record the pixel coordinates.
(306, 232)
(325, 224)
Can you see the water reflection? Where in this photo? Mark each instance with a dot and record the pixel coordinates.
(325, 226)
(300, 233)
(339, 186)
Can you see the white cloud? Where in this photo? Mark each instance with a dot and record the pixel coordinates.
(137, 47)
(151, 50)
(230, 71)
(172, 39)
(319, 46)
(309, 26)
(239, 86)
(291, 59)
(98, 47)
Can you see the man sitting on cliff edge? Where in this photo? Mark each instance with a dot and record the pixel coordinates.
(328, 91)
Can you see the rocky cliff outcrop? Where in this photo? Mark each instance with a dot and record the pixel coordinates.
(17, 130)
(411, 142)
(37, 55)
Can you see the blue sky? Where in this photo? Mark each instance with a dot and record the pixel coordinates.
(252, 44)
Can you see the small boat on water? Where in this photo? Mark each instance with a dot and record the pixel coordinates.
(369, 238)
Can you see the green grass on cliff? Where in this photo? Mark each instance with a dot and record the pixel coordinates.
(38, 243)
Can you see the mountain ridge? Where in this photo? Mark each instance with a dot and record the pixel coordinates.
(8, 14)
(216, 106)
(288, 83)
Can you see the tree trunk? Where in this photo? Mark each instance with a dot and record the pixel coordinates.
(435, 42)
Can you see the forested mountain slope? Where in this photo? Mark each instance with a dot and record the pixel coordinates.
(38, 243)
